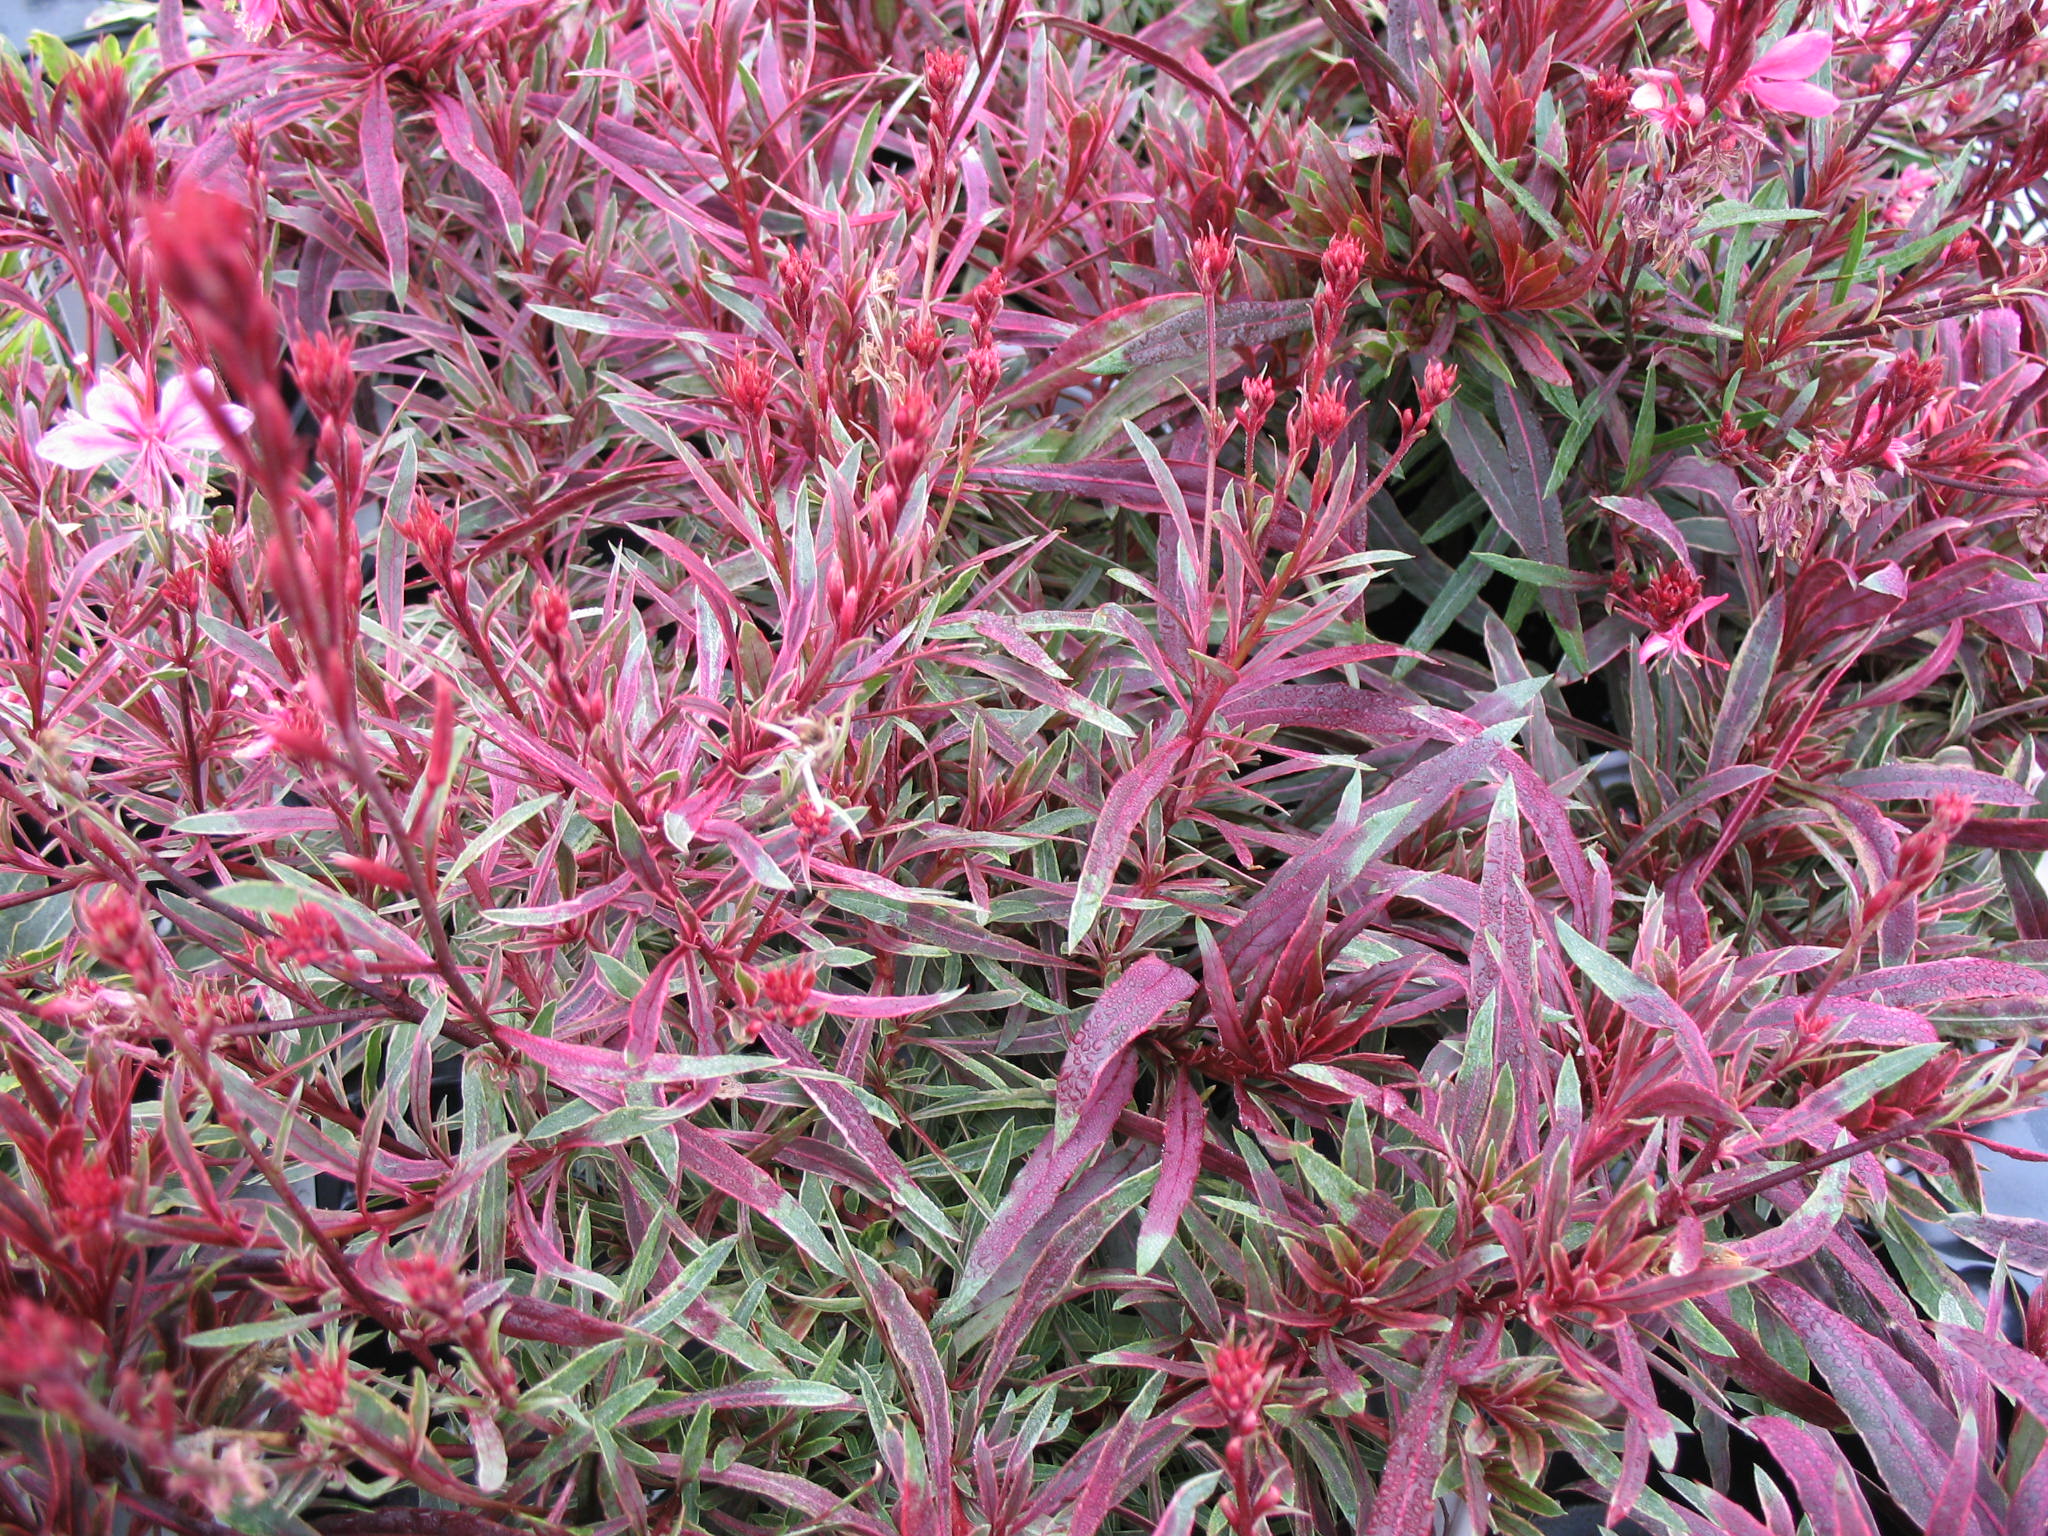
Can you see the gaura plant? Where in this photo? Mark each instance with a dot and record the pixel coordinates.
(965, 770)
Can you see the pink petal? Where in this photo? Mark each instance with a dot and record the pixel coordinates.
(1794, 96)
(1794, 57)
(78, 443)
(116, 401)
(1701, 14)
(184, 428)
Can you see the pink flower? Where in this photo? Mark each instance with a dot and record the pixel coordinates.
(127, 416)
(1664, 100)
(1671, 641)
(1668, 605)
(1779, 76)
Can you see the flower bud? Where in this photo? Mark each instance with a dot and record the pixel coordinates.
(988, 303)
(984, 373)
(796, 280)
(1212, 256)
(550, 622)
(921, 339)
(1343, 266)
(944, 69)
(323, 366)
(181, 589)
(307, 935)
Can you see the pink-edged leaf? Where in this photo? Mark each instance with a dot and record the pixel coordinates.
(1504, 965)
(1509, 468)
(1642, 1000)
(550, 1322)
(1278, 662)
(1923, 781)
(1052, 1163)
(1037, 686)
(1813, 1115)
(1685, 810)
(1803, 1233)
(1187, 1124)
(821, 1505)
(1115, 482)
(711, 1159)
(1178, 1518)
(1747, 688)
(1955, 1502)
(458, 137)
(1754, 1369)
(1051, 1274)
(2023, 1241)
(1132, 1004)
(1122, 809)
(384, 181)
(1847, 1021)
(258, 821)
(2024, 890)
(1189, 68)
(749, 1395)
(864, 1005)
(1552, 823)
(1096, 346)
(1723, 1517)
(1907, 1428)
(1652, 519)
(1910, 684)
(872, 884)
(597, 1067)
(1935, 982)
(580, 905)
(1332, 861)
(1406, 1504)
(1337, 707)
(853, 1122)
(2019, 1375)
(909, 1341)
(1100, 1494)
(643, 1017)
(537, 1239)
(1822, 1475)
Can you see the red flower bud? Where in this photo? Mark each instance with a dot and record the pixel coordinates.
(1325, 416)
(322, 364)
(1212, 256)
(1259, 394)
(319, 1385)
(550, 622)
(431, 534)
(1242, 1379)
(797, 282)
(921, 339)
(984, 373)
(307, 935)
(1344, 265)
(749, 388)
(988, 303)
(944, 69)
(181, 589)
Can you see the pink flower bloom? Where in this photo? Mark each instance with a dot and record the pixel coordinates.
(1671, 640)
(1664, 100)
(126, 416)
(1668, 605)
(1779, 76)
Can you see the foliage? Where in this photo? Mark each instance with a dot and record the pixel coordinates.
(928, 770)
